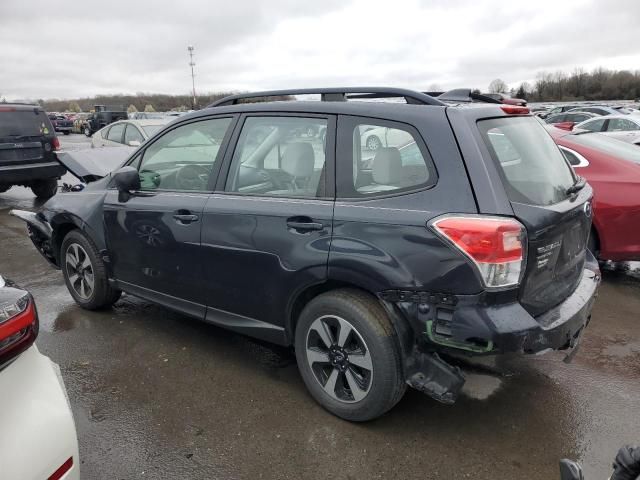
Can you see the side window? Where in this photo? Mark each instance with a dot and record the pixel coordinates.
(183, 158)
(280, 156)
(594, 126)
(115, 132)
(574, 158)
(621, 125)
(132, 134)
(388, 158)
(559, 118)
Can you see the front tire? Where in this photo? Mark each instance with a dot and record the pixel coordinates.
(348, 355)
(46, 188)
(85, 273)
(87, 131)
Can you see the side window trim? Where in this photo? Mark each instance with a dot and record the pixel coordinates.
(139, 156)
(345, 150)
(583, 161)
(329, 161)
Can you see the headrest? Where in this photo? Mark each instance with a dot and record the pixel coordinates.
(298, 159)
(387, 166)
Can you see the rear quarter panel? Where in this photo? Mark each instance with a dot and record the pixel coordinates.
(382, 243)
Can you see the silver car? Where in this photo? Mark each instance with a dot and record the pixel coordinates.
(622, 127)
(132, 133)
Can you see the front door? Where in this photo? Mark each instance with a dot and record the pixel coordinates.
(153, 235)
(266, 233)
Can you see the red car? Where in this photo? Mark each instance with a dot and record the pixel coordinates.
(612, 168)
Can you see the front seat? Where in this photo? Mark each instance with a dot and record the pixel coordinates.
(386, 171)
(298, 161)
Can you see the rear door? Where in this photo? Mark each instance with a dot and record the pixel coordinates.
(266, 231)
(537, 180)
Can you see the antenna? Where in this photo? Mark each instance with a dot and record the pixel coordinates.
(192, 64)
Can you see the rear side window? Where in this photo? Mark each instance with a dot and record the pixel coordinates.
(534, 170)
(132, 134)
(279, 156)
(16, 123)
(387, 158)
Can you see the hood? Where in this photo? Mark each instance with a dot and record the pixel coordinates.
(92, 164)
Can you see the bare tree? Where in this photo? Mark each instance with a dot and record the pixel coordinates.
(498, 86)
(132, 109)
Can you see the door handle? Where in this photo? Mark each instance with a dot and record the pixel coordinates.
(303, 223)
(185, 218)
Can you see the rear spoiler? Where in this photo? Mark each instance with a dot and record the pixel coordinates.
(463, 95)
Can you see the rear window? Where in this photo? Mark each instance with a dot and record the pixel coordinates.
(17, 123)
(533, 168)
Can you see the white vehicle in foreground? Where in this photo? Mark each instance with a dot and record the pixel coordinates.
(132, 133)
(37, 435)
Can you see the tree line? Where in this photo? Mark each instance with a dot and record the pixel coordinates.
(599, 84)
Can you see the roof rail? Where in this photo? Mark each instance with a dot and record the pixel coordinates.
(337, 95)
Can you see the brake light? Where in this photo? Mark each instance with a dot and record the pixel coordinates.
(62, 470)
(18, 328)
(494, 244)
(514, 110)
(55, 143)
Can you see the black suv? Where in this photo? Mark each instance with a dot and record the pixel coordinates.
(27, 150)
(463, 233)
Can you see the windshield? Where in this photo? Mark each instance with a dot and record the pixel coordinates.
(534, 169)
(151, 129)
(17, 123)
(612, 146)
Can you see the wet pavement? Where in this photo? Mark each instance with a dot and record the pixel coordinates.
(157, 395)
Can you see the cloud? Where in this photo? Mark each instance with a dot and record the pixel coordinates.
(132, 46)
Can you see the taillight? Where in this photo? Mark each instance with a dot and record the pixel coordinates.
(55, 143)
(495, 245)
(62, 470)
(514, 110)
(18, 327)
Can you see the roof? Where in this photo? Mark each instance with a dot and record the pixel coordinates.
(21, 106)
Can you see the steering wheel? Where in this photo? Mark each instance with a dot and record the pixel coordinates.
(192, 177)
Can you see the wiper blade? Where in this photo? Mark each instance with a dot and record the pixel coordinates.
(576, 187)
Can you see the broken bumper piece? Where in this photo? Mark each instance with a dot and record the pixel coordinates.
(40, 233)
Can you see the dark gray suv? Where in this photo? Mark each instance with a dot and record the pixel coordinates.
(462, 233)
(27, 150)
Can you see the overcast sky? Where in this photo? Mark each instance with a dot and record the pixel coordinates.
(78, 49)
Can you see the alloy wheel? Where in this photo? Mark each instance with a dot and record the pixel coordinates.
(339, 359)
(79, 271)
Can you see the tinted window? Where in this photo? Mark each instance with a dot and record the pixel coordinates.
(560, 117)
(593, 125)
(576, 117)
(281, 156)
(387, 159)
(183, 158)
(132, 134)
(115, 132)
(573, 160)
(23, 122)
(534, 170)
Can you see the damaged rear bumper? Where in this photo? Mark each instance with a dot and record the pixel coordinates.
(444, 325)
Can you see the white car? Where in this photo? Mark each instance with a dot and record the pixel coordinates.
(128, 132)
(621, 127)
(38, 436)
(373, 137)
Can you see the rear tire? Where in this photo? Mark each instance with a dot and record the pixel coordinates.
(358, 377)
(46, 188)
(373, 143)
(85, 273)
(87, 131)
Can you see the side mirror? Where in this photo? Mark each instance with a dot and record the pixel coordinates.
(570, 470)
(134, 143)
(126, 179)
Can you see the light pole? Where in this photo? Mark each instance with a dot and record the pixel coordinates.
(193, 77)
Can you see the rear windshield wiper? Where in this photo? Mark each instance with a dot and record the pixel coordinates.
(577, 186)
